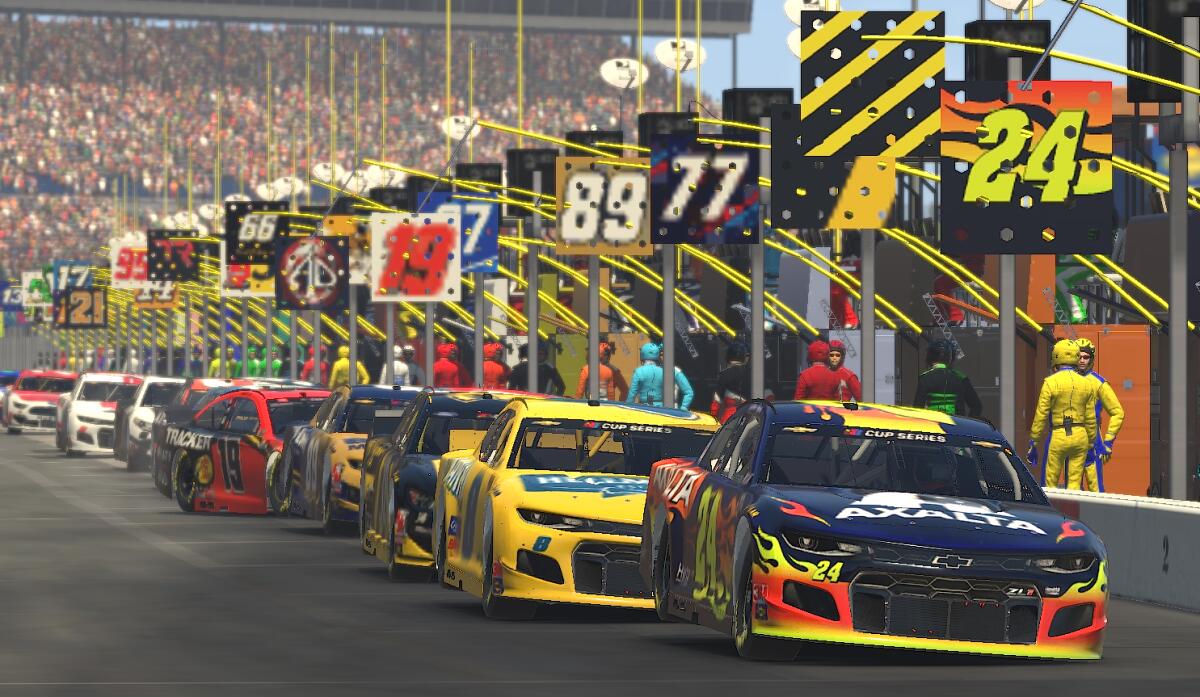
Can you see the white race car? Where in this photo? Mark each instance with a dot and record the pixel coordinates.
(134, 418)
(86, 415)
(29, 403)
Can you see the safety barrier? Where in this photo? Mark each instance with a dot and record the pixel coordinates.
(1151, 544)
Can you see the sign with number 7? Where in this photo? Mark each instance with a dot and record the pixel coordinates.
(415, 257)
(1027, 172)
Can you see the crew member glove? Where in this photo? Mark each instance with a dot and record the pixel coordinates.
(1032, 455)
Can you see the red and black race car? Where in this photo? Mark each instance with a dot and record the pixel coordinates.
(187, 403)
(222, 455)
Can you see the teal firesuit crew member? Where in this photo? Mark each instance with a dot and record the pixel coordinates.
(647, 385)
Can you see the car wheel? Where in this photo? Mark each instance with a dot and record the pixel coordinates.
(183, 482)
(750, 645)
(279, 485)
(497, 607)
(14, 431)
(439, 558)
(75, 453)
(662, 579)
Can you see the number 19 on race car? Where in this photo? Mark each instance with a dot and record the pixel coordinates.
(415, 258)
(602, 206)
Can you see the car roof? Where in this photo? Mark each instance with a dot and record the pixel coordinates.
(615, 411)
(159, 378)
(214, 383)
(882, 417)
(126, 378)
(481, 400)
(383, 392)
(49, 374)
(10, 373)
(273, 395)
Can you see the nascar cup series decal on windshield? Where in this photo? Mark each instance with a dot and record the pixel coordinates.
(898, 435)
(891, 504)
(634, 428)
(605, 486)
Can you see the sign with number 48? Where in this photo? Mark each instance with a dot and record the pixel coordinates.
(603, 208)
(415, 257)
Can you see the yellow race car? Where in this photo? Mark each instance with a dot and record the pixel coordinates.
(548, 507)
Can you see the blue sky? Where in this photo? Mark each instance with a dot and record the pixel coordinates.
(765, 61)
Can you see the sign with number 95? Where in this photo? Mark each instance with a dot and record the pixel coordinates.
(1027, 171)
(603, 207)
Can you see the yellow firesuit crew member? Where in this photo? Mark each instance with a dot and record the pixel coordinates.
(1103, 446)
(340, 375)
(1066, 409)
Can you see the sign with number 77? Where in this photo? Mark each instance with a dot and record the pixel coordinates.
(1027, 172)
(415, 257)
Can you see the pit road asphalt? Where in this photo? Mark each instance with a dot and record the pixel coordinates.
(107, 588)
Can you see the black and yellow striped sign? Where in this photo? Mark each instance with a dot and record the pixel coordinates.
(863, 97)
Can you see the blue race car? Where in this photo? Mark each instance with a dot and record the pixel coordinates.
(870, 525)
(318, 475)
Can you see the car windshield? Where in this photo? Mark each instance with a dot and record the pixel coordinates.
(286, 413)
(160, 394)
(942, 467)
(385, 421)
(567, 445)
(40, 384)
(435, 438)
(106, 391)
(6, 380)
(196, 399)
(360, 415)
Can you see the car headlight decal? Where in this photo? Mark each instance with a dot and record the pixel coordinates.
(815, 544)
(1070, 564)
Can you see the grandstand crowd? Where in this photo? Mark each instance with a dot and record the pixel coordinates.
(83, 103)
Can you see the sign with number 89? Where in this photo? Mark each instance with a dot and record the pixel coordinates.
(1027, 172)
(603, 208)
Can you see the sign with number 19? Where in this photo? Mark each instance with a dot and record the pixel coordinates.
(415, 257)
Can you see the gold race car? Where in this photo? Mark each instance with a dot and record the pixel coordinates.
(548, 507)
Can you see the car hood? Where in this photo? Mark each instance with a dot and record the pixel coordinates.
(29, 396)
(926, 520)
(102, 409)
(610, 497)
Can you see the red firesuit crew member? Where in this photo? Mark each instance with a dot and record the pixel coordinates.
(495, 371)
(817, 381)
(1066, 410)
(447, 371)
(306, 372)
(850, 387)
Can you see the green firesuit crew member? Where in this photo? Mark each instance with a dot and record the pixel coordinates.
(944, 389)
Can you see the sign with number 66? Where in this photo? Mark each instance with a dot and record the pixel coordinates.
(603, 207)
(415, 257)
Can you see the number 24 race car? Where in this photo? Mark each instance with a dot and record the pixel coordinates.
(870, 525)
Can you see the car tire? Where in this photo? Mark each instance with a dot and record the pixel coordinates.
(661, 576)
(75, 453)
(366, 547)
(14, 431)
(750, 645)
(279, 493)
(496, 607)
(162, 478)
(439, 558)
(183, 482)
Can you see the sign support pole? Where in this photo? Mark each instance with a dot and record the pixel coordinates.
(1008, 327)
(293, 345)
(758, 283)
(352, 322)
(223, 341)
(318, 374)
(668, 324)
(867, 322)
(170, 367)
(389, 353)
(593, 320)
(480, 319)
(269, 339)
(430, 310)
(245, 362)
(153, 343)
(531, 291)
(1178, 312)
